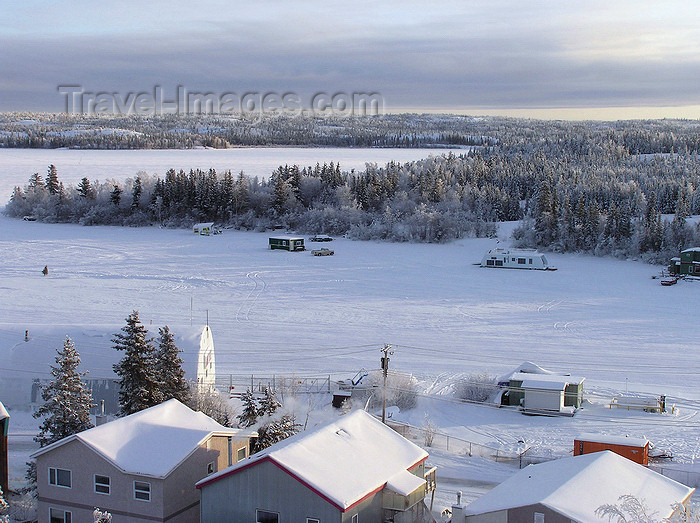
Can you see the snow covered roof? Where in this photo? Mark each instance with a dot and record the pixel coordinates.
(3, 413)
(342, 461)
(692, 249)
(575, 487)
(546, 378)
(203, 224)
(526, 367)
(612, 440)
(558, 384)
(152, 442)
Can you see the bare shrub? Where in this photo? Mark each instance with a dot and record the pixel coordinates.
(401, 390)
(476, 387)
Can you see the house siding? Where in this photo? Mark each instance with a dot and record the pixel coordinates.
(527, 513)
(264, 486)
(81, 498)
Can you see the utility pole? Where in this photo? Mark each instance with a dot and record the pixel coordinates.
(386, 350)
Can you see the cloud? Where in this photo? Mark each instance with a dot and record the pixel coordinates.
(460, 54)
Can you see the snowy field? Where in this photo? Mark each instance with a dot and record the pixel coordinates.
(281, 312)
(17, 165)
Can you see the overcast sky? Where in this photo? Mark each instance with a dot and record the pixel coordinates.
(563, 58)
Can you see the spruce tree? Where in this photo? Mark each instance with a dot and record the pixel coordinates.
(52, 180)
(249, 416)
(268, 403)
(136, 193)
(85, 189)
(276, 430)
(169, 368)
(116, 195)
(67, 401)
(138, 378)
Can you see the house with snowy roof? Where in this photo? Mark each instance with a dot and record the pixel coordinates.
(140, 468)
(355, 469)
(570, 490)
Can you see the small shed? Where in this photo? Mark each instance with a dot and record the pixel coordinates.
(4, 467)
(205, 229)
(636, 449)
(287, 243)
(543, 391)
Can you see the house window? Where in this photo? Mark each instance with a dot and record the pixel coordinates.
(313, 520)
(59, 516)
(529, 260)
(142, 490)
(355, 518)
(265, 516)
(241, 454)
(59, 477)
(539, 517)
(101, 484)
(210, 468)
(521, 261)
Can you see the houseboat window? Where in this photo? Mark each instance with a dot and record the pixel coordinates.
(513, 259)
(489, 262)
(210, 468)
(101, 484)
(521, 261)
(59, 477)
(529, 260)
(142, 490)
(241, 454)
(60, 516)
(264, 516)
(499, 263)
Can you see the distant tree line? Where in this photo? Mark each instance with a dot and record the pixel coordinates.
(50, 131)
(595, 187)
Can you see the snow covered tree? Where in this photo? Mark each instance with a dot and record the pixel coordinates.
(85, 190)
(211, 404)
(268, 403)
(52, 179)
(276, 430)
(629, 509)
(67, 401)
(140, 387)
(116, 195)
(136, 193)
(249, 416)
(101, 516)
(169, 368)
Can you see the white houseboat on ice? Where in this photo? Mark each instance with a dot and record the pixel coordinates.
(516, 259)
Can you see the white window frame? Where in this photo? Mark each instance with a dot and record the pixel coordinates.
(55, 476)
(268, 511)
(108, 485)
(356, 518)
(142, 491)
(70, 514)
(211, 468)
(313, 520)
(238, 454)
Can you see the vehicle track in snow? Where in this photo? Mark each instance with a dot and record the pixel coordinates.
(259, 286)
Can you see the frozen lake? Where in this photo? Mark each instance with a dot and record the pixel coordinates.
(17, 165)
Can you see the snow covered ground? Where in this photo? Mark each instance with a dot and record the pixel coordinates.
(282, 312)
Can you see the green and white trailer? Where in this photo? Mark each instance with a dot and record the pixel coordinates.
(287, 243)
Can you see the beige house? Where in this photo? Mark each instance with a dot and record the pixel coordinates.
(140, 468)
